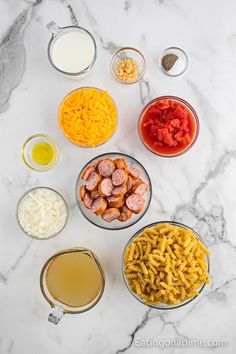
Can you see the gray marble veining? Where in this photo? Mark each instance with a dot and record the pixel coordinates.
(12, 58)
(197, 189)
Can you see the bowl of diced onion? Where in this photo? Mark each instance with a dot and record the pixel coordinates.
(165, 265)
(42, 213)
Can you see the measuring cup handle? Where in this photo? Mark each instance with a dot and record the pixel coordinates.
(53, 28)
(56, 315)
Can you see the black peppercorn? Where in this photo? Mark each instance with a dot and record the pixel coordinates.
(168, 61)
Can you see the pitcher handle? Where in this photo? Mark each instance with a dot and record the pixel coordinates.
(53, 27)
(56, 315)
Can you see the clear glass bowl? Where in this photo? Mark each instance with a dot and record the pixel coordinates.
(116, 224)
(163, 306)
(56, 305)
(128, 53)
(180, 65)
(19, 206)
(26, 152)
(58, 119)
(194, 116)
(58, 32)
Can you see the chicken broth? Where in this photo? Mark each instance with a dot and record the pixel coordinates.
(74, 279)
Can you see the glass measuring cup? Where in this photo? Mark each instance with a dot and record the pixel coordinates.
(67, 293)
(74, 57)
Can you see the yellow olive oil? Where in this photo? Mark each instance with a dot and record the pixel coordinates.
(42, 154)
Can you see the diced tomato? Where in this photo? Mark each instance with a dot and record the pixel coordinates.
(179, 135)
(154, 130)
(162, 104)
(158, 143)
(161, 134)
(153, 112)
(164, 135)
(168, 126)
(168, 139)
(154, 109)
(178, 113)
(171, 129)
(184, 124)
(175, 143)
(148, 122)
(158, 121)
(172, 103)
(169, 115)
(160, 124)
(186, 111)
(163, 115)
(185, 140)
(175, 123)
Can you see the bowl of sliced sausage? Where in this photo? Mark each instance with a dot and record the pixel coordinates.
(113, 191)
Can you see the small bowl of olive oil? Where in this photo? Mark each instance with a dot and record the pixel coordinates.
(40, 152)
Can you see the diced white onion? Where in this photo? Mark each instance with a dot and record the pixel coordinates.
(42, 213)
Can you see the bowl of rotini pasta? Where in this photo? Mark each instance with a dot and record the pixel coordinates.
(165, 265)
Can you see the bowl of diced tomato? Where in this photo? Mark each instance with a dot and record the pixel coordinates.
(168, 126)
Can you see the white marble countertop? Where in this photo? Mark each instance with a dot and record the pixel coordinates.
(197, 188)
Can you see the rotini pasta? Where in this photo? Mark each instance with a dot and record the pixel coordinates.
(166, 264)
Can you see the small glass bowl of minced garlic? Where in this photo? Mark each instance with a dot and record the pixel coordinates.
(128, 65)
(40, 152)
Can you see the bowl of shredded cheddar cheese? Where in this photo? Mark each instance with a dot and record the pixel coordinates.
(88, 117)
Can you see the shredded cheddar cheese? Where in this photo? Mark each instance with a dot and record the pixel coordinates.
(88, 117)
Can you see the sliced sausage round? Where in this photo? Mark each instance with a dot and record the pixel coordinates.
(95, 194)
(119, 191)
(99, 206)
(119, 177)
(136, 181)
(121, 163)
(87, 201)
(129, 183)
(134, 172)
(111, 214)
(125, 213)
(135, 203)
(95, 164)
(140, 188)
(86, 172)
(106, 167)
(81, 192)
(92, 181)
(105, 187)
(115, 202)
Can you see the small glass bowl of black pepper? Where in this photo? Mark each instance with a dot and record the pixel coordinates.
(173, 61)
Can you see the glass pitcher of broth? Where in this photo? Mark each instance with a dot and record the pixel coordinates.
(71, 50)
(72, 281)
